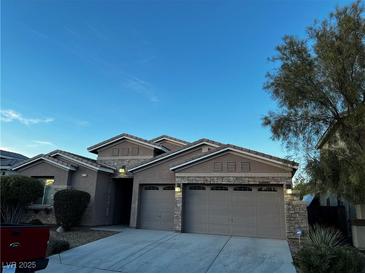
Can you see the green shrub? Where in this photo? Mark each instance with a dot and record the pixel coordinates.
(16, 193)
(69, 206)
(325, 251)
(36, 222)
(57, 246)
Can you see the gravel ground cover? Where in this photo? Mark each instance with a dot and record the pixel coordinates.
(79, 235)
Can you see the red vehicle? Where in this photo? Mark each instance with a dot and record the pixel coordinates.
(24, 247)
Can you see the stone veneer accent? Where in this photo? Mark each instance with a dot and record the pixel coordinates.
(295, 215)
(231, 180)
(178, 207)
(117, 163)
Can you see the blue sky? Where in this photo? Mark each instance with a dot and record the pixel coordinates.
(77, 72)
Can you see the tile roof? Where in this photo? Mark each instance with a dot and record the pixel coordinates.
(237, 148)
(172, 153)
(81, 159)
(169, 138)
(121, 136)
(46, 158)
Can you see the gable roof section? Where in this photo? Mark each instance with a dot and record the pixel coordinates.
(87, 162)
(46, 158)
(169, 138)
(174, 153)
(122, 136)
(244, 151)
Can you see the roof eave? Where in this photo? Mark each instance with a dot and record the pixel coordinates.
(45, 159)
(109, 170)
(170, 155)
(94, 148)
(235, 150)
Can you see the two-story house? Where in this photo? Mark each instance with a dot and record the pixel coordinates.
(170, 184)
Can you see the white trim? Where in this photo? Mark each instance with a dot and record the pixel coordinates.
(47, 160)
(235, 150)
(129, 138)
(171, 140)
(222, 174)
(175, 153)
(83, 163)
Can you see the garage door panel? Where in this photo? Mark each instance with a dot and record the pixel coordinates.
(254, 211)
(157, 207)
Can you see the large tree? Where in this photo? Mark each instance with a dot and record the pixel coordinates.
(319, 85)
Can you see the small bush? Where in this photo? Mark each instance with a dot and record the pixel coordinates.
(36, 222)
(58, 246)
(325, 251)
(17, 192)
(69, 206)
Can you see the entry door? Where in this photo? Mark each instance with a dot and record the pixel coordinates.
(157, 207)
(252, 211)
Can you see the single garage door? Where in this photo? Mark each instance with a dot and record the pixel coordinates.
(157, 207)
(241, 210)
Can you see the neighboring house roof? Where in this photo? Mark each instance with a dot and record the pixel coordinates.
(9, 159)
(238, 149)
(12, 155)
(122, 136)
(88, 162)
(174, 153)
(48, 159)
(169, 138)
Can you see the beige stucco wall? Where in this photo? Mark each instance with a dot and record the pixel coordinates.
(104, 199)
(125, 144)
(98, 184)
(105, 155)
(45, 169)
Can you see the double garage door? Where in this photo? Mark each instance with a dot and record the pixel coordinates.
(253, 211)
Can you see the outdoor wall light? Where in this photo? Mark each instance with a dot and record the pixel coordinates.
(122, 171)
(177, 189)
(289, 191)
(84, 175)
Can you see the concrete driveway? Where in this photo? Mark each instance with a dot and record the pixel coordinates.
(138, 250)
